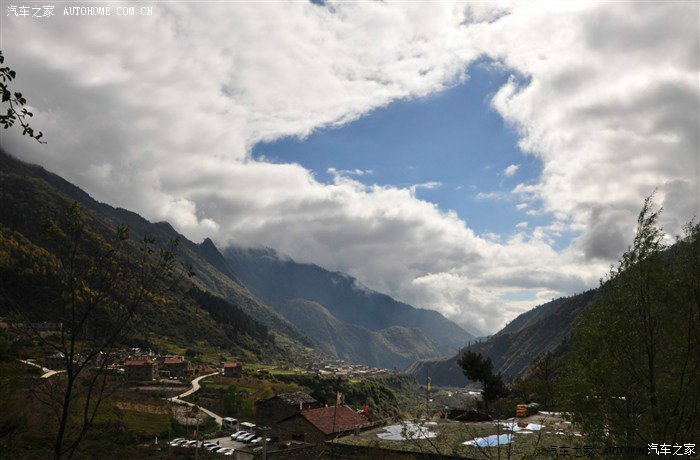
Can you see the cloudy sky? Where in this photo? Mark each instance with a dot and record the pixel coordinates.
(473, 158)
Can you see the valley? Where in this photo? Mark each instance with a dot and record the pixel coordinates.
(123, 315)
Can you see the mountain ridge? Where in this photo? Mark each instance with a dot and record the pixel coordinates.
(33, 274)
(514, 348)
(277, 279)
(48, 187)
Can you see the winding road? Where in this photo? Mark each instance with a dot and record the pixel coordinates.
(176, 399)
(195, 388)
(46, 371)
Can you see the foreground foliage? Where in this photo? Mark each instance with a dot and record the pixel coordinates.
(633, 375)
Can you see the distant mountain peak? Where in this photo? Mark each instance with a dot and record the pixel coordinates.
(296, 289)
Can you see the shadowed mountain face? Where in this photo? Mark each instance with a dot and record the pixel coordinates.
(515, 347)
(30, 194)
(395, 346)
(343, 317)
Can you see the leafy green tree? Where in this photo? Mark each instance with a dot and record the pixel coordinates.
(238, 404)
(233, 401)
(92, 288)
(633, 374)
(479, 369)
(15, 104)
(538, 385)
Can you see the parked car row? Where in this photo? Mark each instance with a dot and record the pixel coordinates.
(249, 438)
(211, 446)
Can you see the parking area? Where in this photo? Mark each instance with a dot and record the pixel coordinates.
(226, 442)
(241, 451)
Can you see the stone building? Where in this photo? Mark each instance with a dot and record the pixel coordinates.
(272, 410)
(141, 369)
(233, 370)
(176, 366)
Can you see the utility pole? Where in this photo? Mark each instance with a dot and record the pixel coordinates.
(170, 425)
(196, 438)
(264, 430)
(335, 409)
(427, 399)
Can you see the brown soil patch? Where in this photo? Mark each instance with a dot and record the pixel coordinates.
(147, 408)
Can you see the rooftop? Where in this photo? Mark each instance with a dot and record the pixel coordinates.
(139, 362)
(296, 398)
(335, 419)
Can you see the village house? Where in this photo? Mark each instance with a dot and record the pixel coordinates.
(140, 369)
(321, 424)
(272, 410)
(176, 366)
(233, 370)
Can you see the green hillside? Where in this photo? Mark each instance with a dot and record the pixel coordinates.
(228, 316)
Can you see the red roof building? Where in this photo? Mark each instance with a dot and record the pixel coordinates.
(335, 419)
(140, 369)
(233, 370)
(177, 366)
(322, 424)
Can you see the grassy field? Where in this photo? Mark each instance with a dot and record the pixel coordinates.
(143, 414)
(144, 423)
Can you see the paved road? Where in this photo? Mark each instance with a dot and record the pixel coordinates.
(46, 371)
(196, 387)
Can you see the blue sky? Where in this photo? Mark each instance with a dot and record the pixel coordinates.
(607, 115)
(453, 139)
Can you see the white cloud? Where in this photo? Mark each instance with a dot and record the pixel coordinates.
(492, 196)
(511, 170)
(607, 98)
(158, 114)
(350, 172)
(432, 185)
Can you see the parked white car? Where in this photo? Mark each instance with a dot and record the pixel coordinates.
(259, 441)
(248, 438)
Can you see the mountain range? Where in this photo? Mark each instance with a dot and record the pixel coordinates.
(31, 196)
(304, 304)
(351, 321)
